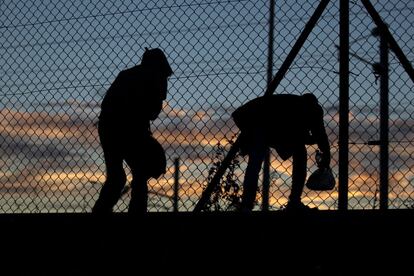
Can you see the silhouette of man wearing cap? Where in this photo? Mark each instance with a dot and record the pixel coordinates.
(133, 100)
(286, 123)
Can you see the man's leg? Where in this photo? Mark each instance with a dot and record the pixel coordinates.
(298, 174)
(139, 193)
(112, 188)
(115, 174)
(256, 155)
(139, 162)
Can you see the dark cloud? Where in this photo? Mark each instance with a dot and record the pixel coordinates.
(12, 146)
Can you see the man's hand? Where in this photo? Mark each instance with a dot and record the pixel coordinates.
(323, 160)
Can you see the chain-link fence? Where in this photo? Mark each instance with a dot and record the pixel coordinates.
(58, 58)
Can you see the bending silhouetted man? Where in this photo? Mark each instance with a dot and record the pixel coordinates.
(132, 101)
(286, 123)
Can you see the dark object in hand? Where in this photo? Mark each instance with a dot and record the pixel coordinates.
(322, 179)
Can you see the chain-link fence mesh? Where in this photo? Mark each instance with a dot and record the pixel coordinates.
(58, 58)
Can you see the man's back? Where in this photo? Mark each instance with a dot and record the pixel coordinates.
(282, 113)
(135, 96)
(284, 120)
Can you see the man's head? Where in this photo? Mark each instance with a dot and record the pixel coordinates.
(310, 99)
(311, 102)
(156, 58)
(313, 110)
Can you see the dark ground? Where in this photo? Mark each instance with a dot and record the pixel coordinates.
(274, 243)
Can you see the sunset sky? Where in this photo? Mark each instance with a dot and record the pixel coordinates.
(59, 58)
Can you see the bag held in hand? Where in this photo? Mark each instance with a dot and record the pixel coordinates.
(321, 180)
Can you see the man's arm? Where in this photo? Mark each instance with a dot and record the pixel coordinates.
(319, 133)
(157, 93)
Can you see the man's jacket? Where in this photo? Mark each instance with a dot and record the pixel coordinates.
(286, 121)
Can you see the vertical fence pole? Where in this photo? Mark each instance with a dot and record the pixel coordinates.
(266, 163)
(384, 122)
(343, 104)
(176, 183)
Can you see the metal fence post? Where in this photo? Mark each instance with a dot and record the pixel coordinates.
(176, 197)
(384, 122)
(266, 163)
(343, 105)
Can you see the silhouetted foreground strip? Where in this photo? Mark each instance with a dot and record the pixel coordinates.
(322, 243)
